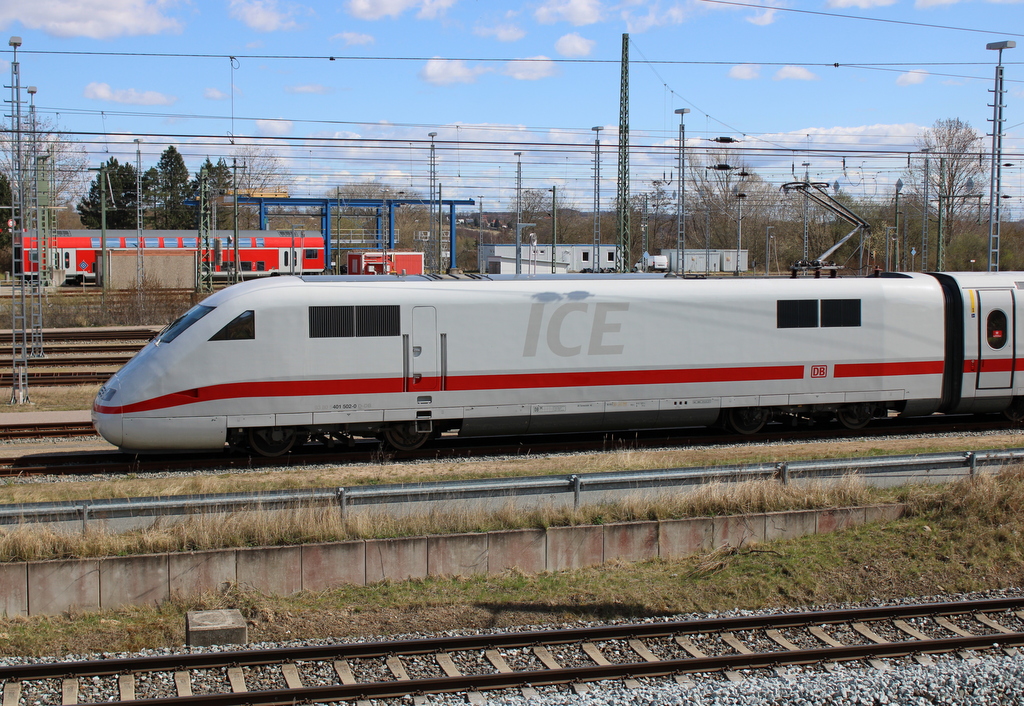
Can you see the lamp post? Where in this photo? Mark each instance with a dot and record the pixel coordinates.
(519, 212)
(595, 264)
(681, 205)
(924, 219)
(480, 235)
(430, 199)
(739, 226)
(995, 183)
(896, 219)
(767, 247)
(554, 225)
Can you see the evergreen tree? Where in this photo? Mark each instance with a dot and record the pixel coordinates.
(221, 186)
(171, 190)
(121, 198)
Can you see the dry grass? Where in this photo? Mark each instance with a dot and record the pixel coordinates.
(243, 529)
(56, 399)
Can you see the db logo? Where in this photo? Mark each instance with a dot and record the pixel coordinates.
(819, 371)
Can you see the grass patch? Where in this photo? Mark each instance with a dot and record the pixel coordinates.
(247, 529)
(960, 538)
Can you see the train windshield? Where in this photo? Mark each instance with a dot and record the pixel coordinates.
(178, 327)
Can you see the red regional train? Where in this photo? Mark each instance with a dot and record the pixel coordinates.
(268, 364)
(260, 252)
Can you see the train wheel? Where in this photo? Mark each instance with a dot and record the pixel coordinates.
(854, 416)
(404, 437)
(747, 420)
(272, 441)
(1015, 412)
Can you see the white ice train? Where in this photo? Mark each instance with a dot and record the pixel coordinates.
(269, 363)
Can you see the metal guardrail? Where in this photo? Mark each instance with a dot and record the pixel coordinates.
(879, 471)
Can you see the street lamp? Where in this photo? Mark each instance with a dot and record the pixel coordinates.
(899, 188)
(554, 225)
(739, 225)
(595, 265)
(681, 205)
(519, 212)
(767, 247)
(995, 183)
(430, 199)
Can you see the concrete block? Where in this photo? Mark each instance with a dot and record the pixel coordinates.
(332, 564)
(737, 530)
(133, 580)
(575, 547)
(631, 541)
(215, 627)
(789, 525)
(194, 573)
(58, 586)
(884, 513)
(837, 519)
(13, 589)
(679, 538)
(523, 550)
(457, 554)
(270, 570)
(396, 559)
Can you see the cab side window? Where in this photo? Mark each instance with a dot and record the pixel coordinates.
(242, 327)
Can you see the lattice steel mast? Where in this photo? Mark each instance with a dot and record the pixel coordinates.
(625, 243)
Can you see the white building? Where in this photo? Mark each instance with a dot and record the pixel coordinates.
(537, 259)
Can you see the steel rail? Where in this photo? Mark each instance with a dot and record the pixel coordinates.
(753, 660)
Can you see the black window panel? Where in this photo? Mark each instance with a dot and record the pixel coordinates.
(377, 320)
(797, 313)
(840, 312)
(241, 328)
(331, 322)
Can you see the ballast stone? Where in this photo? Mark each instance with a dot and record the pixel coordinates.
(204, 628)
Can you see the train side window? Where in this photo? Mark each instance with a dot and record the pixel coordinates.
(241, 328)
(246, 266)
(67, 261)
(840, 312)
(996, 329)
(261, 266)
(797, 313)
(311, 254)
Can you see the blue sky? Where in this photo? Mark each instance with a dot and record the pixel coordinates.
(493, 78)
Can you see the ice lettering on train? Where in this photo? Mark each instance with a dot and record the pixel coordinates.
(601, 323)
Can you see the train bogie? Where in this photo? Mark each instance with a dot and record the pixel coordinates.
(267, 365)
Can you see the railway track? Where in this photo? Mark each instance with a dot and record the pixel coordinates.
(448, 447)
(716, 648)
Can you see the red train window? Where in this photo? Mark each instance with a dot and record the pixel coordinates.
(996, 329)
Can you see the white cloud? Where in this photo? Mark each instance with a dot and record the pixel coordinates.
(96, 19)
(503, 33)
(354, 38)
(378, 9)
(863, 4)
(263, 15)
(574, 45)
(912, 78)
(214, 94)
(655, 17)
(764, 19)
(797, 73)
(103, 92)
(443, 72)
(745, 72)
(531, 69)
(311, 88)
(575, 12)
(274, 127)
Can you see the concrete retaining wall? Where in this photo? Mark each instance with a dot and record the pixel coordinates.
(52, 587)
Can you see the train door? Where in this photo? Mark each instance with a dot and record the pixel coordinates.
(996, 344)
(423, 356)
(292, 261)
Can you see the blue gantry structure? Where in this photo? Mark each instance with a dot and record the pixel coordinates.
(329, 209)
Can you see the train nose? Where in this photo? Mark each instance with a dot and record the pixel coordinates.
(106, 413)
